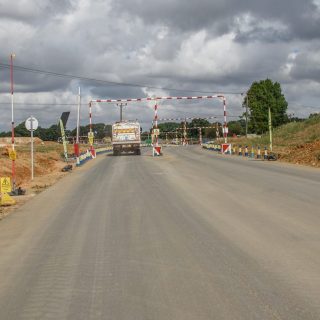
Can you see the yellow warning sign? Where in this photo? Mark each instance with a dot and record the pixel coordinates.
(5, 184)
(6, 200)
(13, 155)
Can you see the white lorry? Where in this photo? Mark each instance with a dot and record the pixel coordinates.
(126, 137)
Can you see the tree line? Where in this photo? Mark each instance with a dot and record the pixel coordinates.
(53, 133)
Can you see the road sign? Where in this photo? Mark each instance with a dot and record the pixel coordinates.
(12, 155)
(5, 184)
(31, 123)
(90, 137)
(156, 132)
(6, 200)
(226, 148)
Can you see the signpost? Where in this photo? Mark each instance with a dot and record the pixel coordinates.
(31, 125)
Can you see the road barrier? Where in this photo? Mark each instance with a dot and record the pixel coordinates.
(86, 156)
(238, 150)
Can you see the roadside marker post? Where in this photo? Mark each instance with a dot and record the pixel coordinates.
(240, 151)
(252, 152)
(31, 125)
(234, 150)
(259, 153)
(265, 153)
(246, 151)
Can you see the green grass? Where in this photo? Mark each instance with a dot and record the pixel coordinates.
(291, 134)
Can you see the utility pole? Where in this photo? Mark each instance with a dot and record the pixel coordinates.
(270, 127)
(121, 105)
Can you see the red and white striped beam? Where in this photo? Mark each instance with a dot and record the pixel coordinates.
(225, 126)
(182, 119)
(157, 98)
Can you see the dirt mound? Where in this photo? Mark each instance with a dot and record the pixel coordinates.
(19, 141)
(307, 154)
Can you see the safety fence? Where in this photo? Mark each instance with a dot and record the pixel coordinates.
(253, 152)
(88, 155)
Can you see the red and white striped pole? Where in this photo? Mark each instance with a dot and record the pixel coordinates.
(225, 124)
(12, 123)
(156, 122)
(90, 132)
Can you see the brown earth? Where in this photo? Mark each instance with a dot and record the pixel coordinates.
(307, 154)
(48, 162)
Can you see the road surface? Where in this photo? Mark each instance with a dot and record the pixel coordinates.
(190, 235)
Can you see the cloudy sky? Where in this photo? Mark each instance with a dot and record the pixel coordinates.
(168, 47)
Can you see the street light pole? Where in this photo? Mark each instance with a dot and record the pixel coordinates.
(12, 122)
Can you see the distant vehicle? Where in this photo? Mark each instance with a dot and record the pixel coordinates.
(126, 137)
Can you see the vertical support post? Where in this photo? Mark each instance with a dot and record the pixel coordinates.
(247, 106)
(166, 138)
(270, 127)
(156, 122)
(91, 136)
(77, 151)
(12, 123)
(200, 136)
(32, 162)
(217, 131)
(185, 132)
(225, 125)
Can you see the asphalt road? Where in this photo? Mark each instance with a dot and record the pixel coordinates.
(190, 235)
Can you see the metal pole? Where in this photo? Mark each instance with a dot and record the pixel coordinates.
(225, 125)
(185, 132)
(12, 122)
(121, 105)
(247, 104)
(200, 136)
(78, 116)
(156, 121)
(270, 127)
(32, 162)
(77, 150)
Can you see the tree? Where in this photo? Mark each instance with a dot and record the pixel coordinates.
(261, 96)
(196, 123)
(236, 127)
